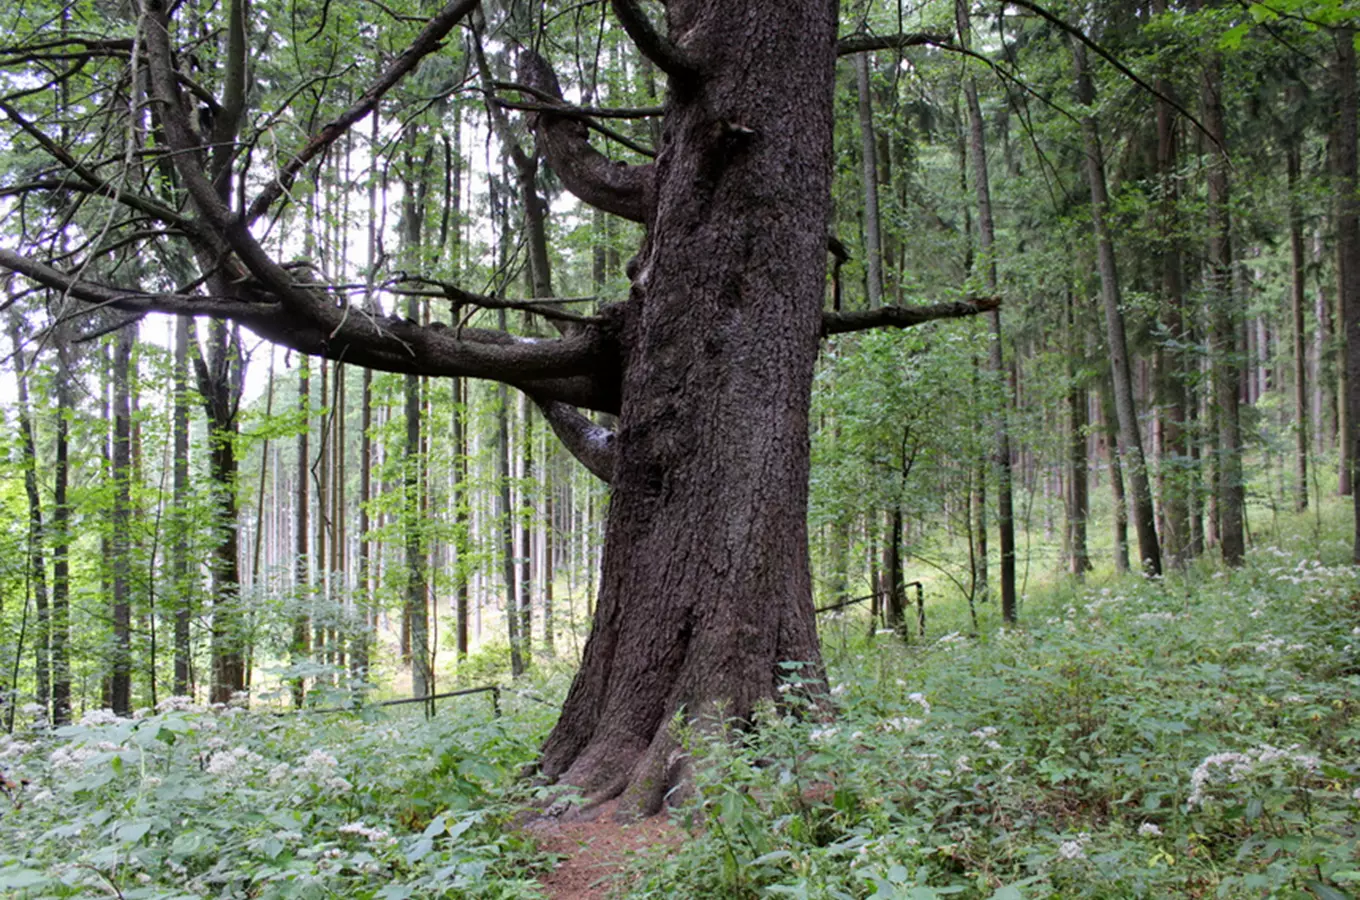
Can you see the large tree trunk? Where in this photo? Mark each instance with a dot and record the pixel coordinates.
(1130, 437)
(705, 587)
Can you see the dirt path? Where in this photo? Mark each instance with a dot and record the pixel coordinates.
(597, 851)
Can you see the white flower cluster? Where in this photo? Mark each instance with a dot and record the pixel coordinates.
(97, 717)
(954, 637)
(372, 835)
(987, 736)
(1071, 850)
(13, 749)
(920, 700)
(1232, 767)
(319, 767)
(822, 735)
(233, 765)
(901, 723)
(1150, 617)
(178, 703)
(1149, 829)
(76, 757)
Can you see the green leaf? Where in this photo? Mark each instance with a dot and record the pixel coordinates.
(1327, 892)
(132, 832)
(15, 879)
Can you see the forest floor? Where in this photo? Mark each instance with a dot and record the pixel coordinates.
(596, 853)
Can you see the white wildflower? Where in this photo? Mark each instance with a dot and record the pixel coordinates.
(818, 735)
(96, 717)
(1149, 829)
(178, 703)
(837, 690)
(233, 764)
(372, 835)
(1074, 849)
(279, 773)
(920, 700)
(902, 723)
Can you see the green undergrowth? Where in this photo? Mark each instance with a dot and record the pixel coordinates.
(186, 802)
(1192, 736)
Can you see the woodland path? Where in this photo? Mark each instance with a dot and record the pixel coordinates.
(597, 850)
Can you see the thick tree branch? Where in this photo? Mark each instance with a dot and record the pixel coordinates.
(904, 316)
(651, 43)
(861, 43)
(428, 41)
(563, 370)
(591, 444)
(614, 187)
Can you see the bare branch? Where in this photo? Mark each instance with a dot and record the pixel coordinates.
(591, 444)
(425, 43)
(1124, 70)
(568, 109)
(614, 187)
(651, 43)
(581, 116)
(460, 297)
(861, 43)
(904, 316)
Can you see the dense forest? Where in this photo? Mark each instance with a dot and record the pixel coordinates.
(912, 443)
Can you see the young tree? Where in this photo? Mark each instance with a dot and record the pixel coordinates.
(705, 594)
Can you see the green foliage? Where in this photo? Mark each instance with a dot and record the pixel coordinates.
(188, 802)
(1143, 739)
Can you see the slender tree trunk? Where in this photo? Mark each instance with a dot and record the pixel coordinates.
(1005, 516)
(526, 518)
(61, 548)
(120, 690)
(461, 523)
(505, 517)
(1174, 477)
(1348, 251)
(873, 245)
(300, 650)
(1130, 438)
(180, 549)
(37, 534)
(1078, 498)
(1298, 278)
(1227, 365)
(1121, 506)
